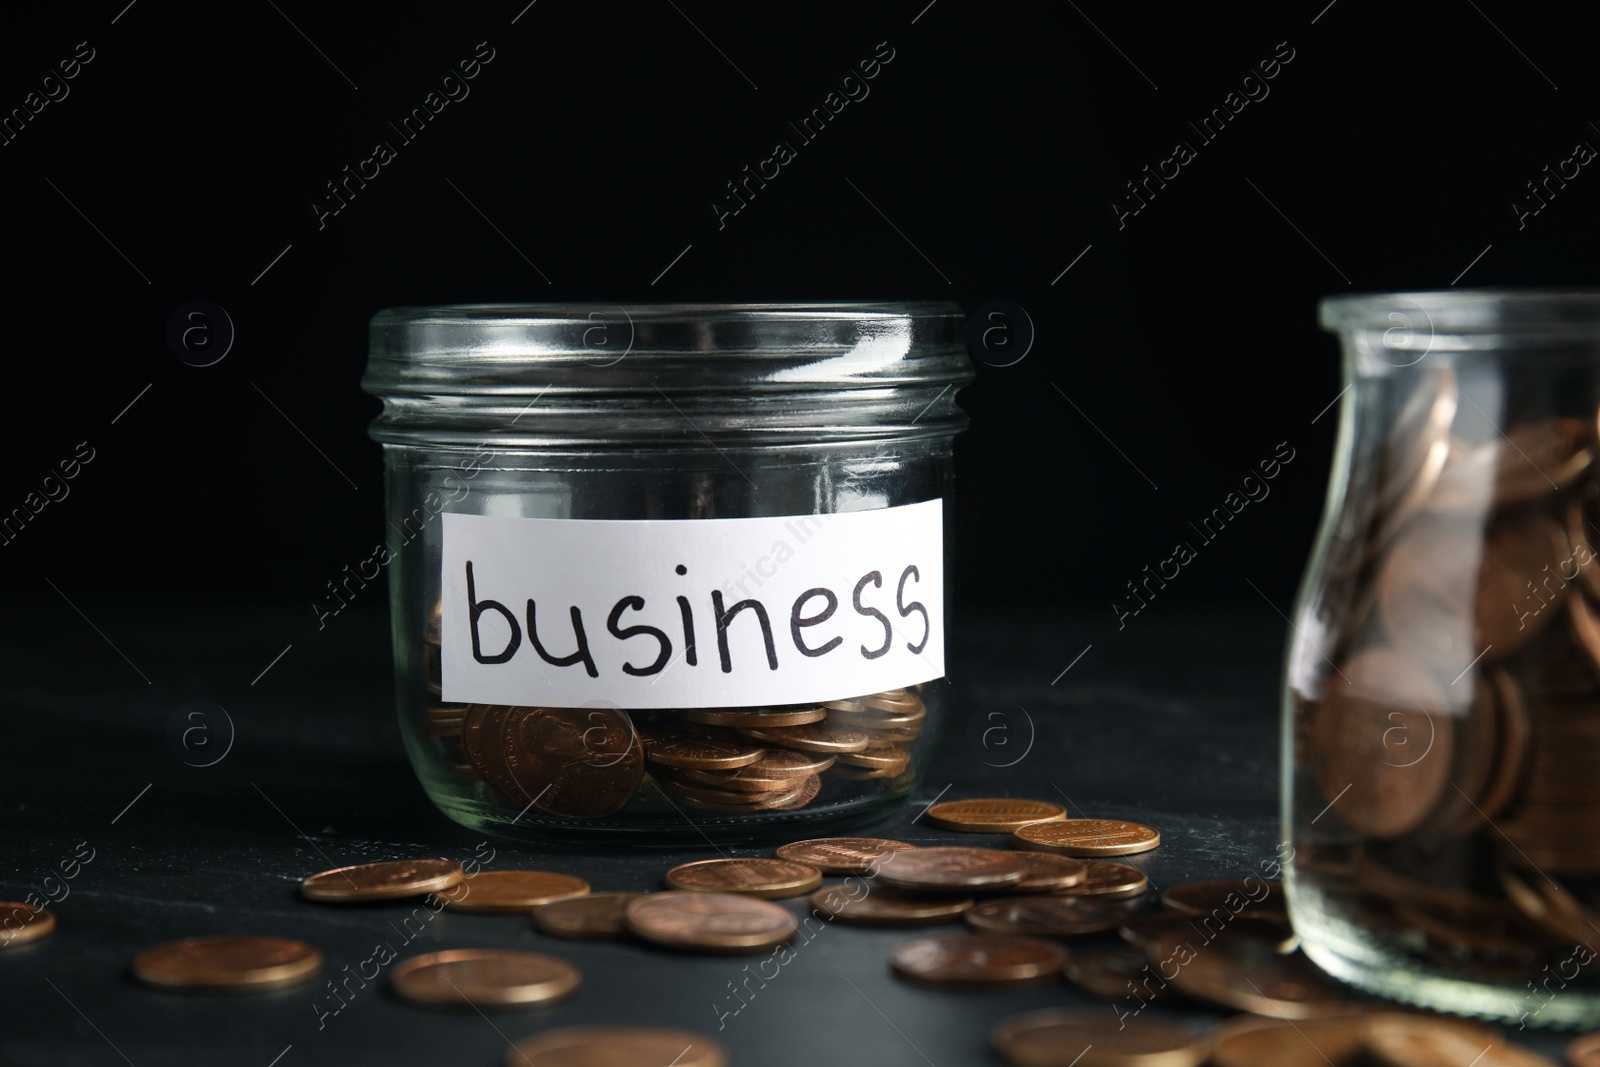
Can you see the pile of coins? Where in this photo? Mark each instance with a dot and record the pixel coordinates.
(587, 763)
(1456, 741)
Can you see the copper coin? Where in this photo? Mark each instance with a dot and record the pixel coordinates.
(1584, 1051)
(228, 963)
(1422, 423)
(596, 915)
(1516, 551)
(446, 721)
(798, 716)
(513, 892)
(580, 763)
(1385, 742)
(1048, 916)
(778, 768)
(842, 855)
(757, 877)
(878, 906)
(804, 794)
(1049, 873)
(889, 761)
(1252, 897)
(1107, 879)
(853, 704)
(1115, 972)
(1251, 1041)
(1398, 1040)
(1058, 1037)
(951, 869)
(706, 798)
(1168, 933)
(20, 923)
(978, 960)
(1086, 837)
(385, 880)
(992, 815)
(886, 720)
(483, 743)
(1585, 625)
(1526, 461)
(1579, 534)
(711, 922)
(701, 748)
(1248, 974)
(827, 737)
(617, 1046)
(1425, 592)
(895, 700)
(485, 978)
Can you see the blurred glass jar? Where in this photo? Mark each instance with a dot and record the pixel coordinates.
(669, 572)
(1442, 705)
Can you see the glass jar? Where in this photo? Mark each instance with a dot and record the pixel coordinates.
(1442, 704)
(668, 572)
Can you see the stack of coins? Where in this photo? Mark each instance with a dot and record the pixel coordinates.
(586, 763)
(1453, 745)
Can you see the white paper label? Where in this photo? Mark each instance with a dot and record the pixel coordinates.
(693, 612)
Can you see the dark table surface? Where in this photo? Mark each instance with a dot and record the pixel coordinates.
(1171, 722)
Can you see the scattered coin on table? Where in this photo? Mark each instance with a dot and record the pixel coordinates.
(1394, 1039)
(710, 922)
(978, 960)
(1048, 915)
(1250, 975)
(593, 916)
(384, 880)
(946, 869)
(1115, 972)
(1049, 873)
(888, 907)
(228, 964)
(616, 1046)
(1086, 837)
(992, 815)
(484, 978)
(1057, 1037)
(513, 892)
(1584, 1051)
(758, 877)
(20, 923)
(842, 855)
(1254, 1041)
(1164, 932)
(1107, 879)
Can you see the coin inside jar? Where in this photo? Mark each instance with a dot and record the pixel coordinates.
(1087, 837)
(22, 923)
(596, 915)
(951, 869)
(827, 737)
(384, 880)
(710, 922)
(1056, 1037)
(992, 815)
(756, 877)
(512, 892)
(582, 763)
(978, 960)
(797, 716)
(616, 1046)
(699, 747)
(484, 978)
(842, 855)
(228, 963)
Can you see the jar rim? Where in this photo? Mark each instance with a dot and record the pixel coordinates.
(1465, 311)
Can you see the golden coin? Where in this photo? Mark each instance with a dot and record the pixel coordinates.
(825, 737)
(978, 961)
(1048, 915)
(1252, 1041)
(617, 1046)
(951, 869)
(703, 748)
(228, 963)
(384, 880)
(797, 716)
(1086, 837)
(1049, 873)
(759, 877)
(20, 923)
(878, 906)
(1584, 1051)
(597, 915)
(992, 815)
(484, 978)
(711, 922)
(1384, 744)
(1252, 897)
(1057, 1037)
(1107, 879)
(842, 855)
(1398, 1040)
(511, 892)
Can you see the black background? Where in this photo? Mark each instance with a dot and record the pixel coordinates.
(190, 150)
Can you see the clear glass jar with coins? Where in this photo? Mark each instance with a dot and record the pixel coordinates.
(667, 572)
(1442, 707)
